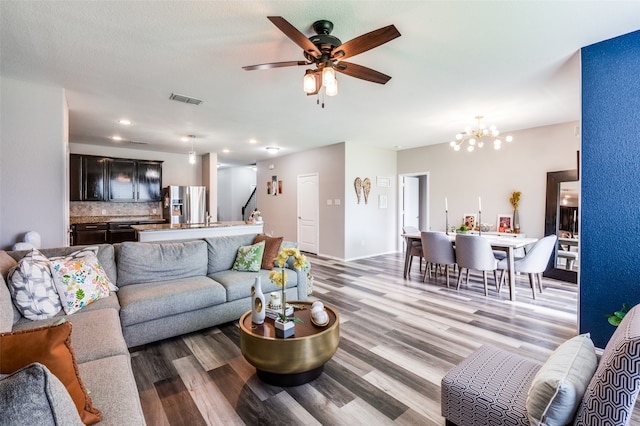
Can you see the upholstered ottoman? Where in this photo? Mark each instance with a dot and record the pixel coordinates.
(488, 388)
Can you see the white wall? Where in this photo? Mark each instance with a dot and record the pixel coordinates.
(519, 166)
(176, 169)
(235, 185)
(279, 212)
(33, 163)
(369, 229)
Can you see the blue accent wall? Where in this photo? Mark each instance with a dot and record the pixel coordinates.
(610, 154)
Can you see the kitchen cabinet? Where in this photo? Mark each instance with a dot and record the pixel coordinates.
(89, 233)
(121, 231)
(87, 177)
(134, 180)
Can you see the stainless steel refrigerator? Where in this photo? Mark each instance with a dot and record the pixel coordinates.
(184, 204)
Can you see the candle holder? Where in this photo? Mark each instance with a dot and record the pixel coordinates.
(479, 222)
(446, 222)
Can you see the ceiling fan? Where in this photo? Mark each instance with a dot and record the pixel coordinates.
(326, 52)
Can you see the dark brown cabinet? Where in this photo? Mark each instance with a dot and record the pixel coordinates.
(89, 233)
(87, 178)
(120, 232)
(93, 178)
(135, 180)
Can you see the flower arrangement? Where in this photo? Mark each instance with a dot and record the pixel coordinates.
(255, 216)
(515, 199)
(280, 277)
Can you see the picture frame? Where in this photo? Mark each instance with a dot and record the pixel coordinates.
(470, 220)
(504, 222)
(280, 187)
(268, 187)
(274, 185)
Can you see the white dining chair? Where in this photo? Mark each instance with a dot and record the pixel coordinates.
(416, 246)
(437, 250)
(534, 263)
(475, 252)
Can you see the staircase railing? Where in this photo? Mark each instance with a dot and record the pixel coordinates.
(249, 206)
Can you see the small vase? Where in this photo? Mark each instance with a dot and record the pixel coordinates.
(516, 222)
(257, 303)
(284, 329)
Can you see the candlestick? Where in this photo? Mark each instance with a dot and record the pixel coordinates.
(446, 221)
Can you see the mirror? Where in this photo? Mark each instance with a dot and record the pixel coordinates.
(561, 219)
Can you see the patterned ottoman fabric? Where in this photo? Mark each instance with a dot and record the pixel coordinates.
(612, 393)
(488, 388)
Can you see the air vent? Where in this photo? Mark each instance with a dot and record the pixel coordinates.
(139, 142)
(185, 99)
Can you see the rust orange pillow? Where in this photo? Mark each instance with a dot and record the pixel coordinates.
(271, 249)
(50, 346)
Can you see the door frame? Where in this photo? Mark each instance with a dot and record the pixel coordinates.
(317, 208)
(425, 191)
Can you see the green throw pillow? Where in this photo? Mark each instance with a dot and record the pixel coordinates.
(249, 258)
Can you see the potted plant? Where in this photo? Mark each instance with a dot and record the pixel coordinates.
(515, 200)
(616, 318)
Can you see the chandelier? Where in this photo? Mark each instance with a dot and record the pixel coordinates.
(474, 137)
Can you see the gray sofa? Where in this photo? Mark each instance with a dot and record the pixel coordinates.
(165, 289)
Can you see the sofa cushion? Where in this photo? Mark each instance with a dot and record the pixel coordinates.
(113, 389)
(32, 287)
(249, 258)
(271, 249)
(558, 387)
(50, 346)
(154, 262)
(35, 394)
(91, 255)
(105, 255)
(145, 302)
(238, 284)
(612, 392)
(7, 308)
(222, 250)
(80, 280)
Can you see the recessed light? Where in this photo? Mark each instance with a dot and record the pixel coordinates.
(253, 141)
(226, 151)
(272, 149)
(184, 139)
(124, 121)
(116, 138)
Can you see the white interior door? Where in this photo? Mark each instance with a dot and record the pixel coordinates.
(411, 201)
(308, 208)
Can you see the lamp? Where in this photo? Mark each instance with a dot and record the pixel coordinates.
(192, 153)
(328, 76)
(192, 157)
(474, 136)
(272, 149)
(309, 81)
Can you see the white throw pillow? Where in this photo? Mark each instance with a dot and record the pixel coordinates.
(32, 287)
(558, 387)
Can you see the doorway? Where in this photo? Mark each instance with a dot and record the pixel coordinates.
(308, 212)
(414, 202)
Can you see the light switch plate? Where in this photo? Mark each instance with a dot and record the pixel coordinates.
(329, 202)
(336, 201)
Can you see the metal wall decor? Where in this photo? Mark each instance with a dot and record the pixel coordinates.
(362, 186)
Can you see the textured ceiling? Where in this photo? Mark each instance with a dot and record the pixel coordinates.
(515, 62)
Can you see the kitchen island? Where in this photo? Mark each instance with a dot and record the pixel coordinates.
(182, 231)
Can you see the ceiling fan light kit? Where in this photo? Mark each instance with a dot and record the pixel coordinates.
(474, 137)
(326, 52)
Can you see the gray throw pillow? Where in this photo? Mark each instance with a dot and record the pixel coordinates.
(32, 395)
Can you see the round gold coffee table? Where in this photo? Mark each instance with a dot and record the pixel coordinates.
(295, 360)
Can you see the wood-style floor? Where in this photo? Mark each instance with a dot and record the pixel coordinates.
(398, 338)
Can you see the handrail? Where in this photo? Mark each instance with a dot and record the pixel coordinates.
(251, 199)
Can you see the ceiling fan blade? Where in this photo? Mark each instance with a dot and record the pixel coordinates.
(275, 65)
(295, 35)
(365, 42)
(364, 73)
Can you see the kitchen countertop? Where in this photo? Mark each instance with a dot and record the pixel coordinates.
(110, 219)
(168, 226)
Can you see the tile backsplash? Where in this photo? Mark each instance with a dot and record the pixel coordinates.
(101, 208)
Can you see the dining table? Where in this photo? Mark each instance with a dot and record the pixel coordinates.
(509, 244)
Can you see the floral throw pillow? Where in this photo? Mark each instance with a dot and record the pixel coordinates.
(80, 280)
(249, 258)
(32, 287)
